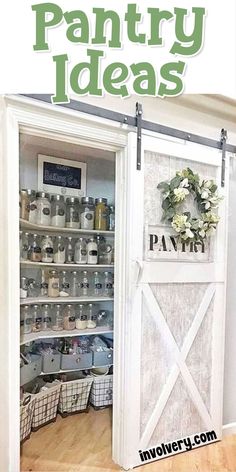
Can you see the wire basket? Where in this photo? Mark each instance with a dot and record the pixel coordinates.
(26, 417)
(74, 396)
(101, 392)
(46, 404)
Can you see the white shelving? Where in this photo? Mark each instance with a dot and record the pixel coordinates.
(35, 265)
(26, 225)
(27, 338)
(59, 300)
(75, 370)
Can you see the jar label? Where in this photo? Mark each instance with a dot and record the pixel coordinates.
(37, 249)
(109, 285)
(98, 286)
(61, 212)
(22, 323)
(71, 318)
(94, 317)
(44, 285)
(46, 211)
(93, 253)
(84, 285)
(83, 317)
(49, 250)
(47, 319)
(28, 321)
(65, 285)
(33, 207)
(61, 248)
(38, 320)
(83, 252)
(25, 247)
(55, 285)
(89, 216)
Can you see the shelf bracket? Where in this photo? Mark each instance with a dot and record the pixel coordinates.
(223, 147)
(139, 113)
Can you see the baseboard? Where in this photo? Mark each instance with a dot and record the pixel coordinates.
(229, 428)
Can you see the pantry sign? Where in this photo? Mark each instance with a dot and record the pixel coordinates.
(161, 244)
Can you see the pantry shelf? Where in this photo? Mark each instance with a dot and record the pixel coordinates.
(75, 370)
(30, 264)
(26, 225)
(59, 300)
(28, 338)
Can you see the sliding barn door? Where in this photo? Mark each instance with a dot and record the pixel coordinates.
(175, 319)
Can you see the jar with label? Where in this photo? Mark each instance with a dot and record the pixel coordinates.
(72, 213)
(69, 251)
(104, 251)
(108, 284)
(43, 208)
(87, 213)
(25, 246)
(23, 287)
(81, 318)
(84, 284)
(111, 218)
(97, 288)
(59, 251)
(53, 284)
(36, 319)
(47, 249)
(44, 284)
(101, 214)
(64, 284)
(46, 318)
(26, 319)
(74, 284)
(35, 249)
(92, 251)
(69, 317)
(80, 251)
(92, 318)
(57, 323)
(24, 204)
(33, 207)
(58, 211)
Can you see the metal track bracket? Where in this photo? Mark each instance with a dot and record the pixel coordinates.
(223, 146)
(139, 113)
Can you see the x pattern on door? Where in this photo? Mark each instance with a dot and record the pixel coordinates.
(180, 356)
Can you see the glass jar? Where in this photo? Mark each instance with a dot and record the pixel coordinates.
(23, 287)
(59, 251)
(108, 284)
(33, 288)
(80, 251)
(104, 251)
(35, 249)
(92, 251)
(47, 249)
(87, 213)
(44, 284)
(25, 319)
(97, 287)
(36, 319)
(69, 318)
(33, 207)
(81, 318)
(43, 208)
(24, 204)
(102, 318)
(111, 225)
(84, 284)
(92, 318)
(64, 284)
(74, 284)
(46, 318)
(69, 251)
(25, 246)
(58, 323)
(101, 214)
(58, 211)
(72, 213)
(53, 284)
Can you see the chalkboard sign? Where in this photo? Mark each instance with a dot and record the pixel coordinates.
(56, 175)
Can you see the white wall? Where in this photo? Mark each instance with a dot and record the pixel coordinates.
(204, 115)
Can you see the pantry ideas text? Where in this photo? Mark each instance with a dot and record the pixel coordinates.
(90, 78)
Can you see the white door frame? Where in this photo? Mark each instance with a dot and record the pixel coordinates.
(37, 118)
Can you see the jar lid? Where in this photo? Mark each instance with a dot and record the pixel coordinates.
(58, 306)
(112, 208)
(101, 200)
(45, 306)
(28, 191)
(87, 200)
(26, 306)
(74, 272)
(42, 195)
(69, 306)
(53, 272)
(72, 200)
(85, 271)
(57, 198)
(35, 306)
(96, 273)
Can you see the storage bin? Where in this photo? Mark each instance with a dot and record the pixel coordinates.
(29, 371)
(101, 392)
(74, 396)
(26, 417)
(45, 409)
(102, 358)
(51, 362)
(76, 361)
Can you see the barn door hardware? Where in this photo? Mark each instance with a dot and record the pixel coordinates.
(223, 147)
(139, 113)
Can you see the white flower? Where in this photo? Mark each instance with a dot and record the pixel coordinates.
(200, 224)
(202, 233)
(184, 183)
(189, 233)
(179, 223)
(205, 194)
(207, 205)
(208, 183)
(180, 194)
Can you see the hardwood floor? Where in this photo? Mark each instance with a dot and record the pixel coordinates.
(82, 443)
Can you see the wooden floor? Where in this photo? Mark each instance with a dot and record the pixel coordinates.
(82, 443)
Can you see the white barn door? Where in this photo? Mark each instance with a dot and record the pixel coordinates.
(176, 299)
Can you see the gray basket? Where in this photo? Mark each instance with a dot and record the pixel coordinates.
(102, 391)
(29, 371)
(102, 358)
(51, 362)
(45, 410)
(74, 396)
(26, 417)
(76, 361)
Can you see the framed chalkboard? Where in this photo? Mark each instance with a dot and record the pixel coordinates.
(63, 176)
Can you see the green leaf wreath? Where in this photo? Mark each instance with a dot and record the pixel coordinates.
(205, 193)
